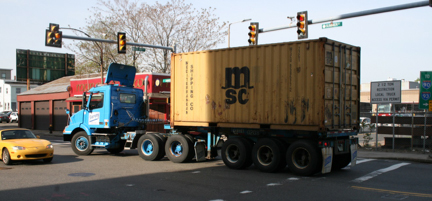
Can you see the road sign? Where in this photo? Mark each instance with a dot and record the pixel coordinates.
(425, 89)
(385, 92)
(138, 49)
(331, 25)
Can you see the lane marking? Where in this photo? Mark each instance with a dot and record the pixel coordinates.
(357, 162)
(364, 160)
(393, 192)
(378, 172)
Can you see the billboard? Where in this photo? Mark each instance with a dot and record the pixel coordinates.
(43, 66)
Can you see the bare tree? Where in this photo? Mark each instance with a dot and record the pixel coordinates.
(157, 24)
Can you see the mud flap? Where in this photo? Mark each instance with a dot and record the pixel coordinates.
(327, 155)
(353, 154)
(200, 151)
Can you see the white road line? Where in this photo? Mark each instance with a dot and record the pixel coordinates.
(357, 162)
(364, 160)
(378, 172)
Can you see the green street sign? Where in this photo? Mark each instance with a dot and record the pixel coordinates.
(168, 80)
(138, 49)
(331, 25)
(425, 90)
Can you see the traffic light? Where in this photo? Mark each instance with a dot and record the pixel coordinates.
(302, 25)
(53, 37)
(121, 42)
(253, 33)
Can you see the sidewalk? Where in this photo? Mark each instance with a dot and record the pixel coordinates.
(362, 152)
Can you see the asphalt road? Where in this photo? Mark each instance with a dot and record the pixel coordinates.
(102, 176)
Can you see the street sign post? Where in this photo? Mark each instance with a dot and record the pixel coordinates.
(331, 25)
(425, 90)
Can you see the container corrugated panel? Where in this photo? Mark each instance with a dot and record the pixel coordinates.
(306, 85)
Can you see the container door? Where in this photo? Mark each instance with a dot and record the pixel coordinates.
(342, 90)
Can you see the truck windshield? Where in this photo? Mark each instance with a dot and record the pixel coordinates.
(96, 101)
(384, 108)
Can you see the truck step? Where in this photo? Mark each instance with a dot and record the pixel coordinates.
(128, 144)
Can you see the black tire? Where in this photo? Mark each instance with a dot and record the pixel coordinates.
(118, 149)
(236, 153)
(340, 161)
(268, 155)
(81, 144)
(161, 136)
(303, 158)
(47, 160)
(192, 145)
(6, 157)
(178, 149)
(150, 147)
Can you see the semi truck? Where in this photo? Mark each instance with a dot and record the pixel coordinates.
(292, 104)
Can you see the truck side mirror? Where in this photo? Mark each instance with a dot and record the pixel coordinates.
(67, 111)
(84, 103)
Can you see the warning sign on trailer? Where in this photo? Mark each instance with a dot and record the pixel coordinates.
(385, 92)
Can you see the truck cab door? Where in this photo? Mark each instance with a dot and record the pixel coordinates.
(96, 110)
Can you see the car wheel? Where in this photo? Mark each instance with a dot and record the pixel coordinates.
(6, 157)
(81, 144)
(47, 160)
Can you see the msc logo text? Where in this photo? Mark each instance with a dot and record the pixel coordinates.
(236, 91)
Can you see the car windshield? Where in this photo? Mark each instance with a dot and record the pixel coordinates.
(17, 134)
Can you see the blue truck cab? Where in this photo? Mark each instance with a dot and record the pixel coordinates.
(112, 115)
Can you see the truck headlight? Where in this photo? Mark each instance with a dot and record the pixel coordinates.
(18, 148)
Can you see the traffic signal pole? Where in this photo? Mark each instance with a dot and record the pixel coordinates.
(357, 14)
(115, 42)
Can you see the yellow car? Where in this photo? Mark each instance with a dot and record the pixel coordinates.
(22, 144)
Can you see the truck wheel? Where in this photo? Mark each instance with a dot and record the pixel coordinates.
(303, 158)
(118, 149)
(178, 149)
(268, 155)
(150, 147)
(340, 161)
(236, 153)
(81, 144)
(6, 157)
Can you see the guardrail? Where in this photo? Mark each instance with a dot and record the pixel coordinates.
(417, 126)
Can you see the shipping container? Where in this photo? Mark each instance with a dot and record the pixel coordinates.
(310, 85)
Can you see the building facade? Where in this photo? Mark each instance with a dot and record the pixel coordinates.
(9, 89)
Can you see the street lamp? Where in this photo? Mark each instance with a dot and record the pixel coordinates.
(229, 26)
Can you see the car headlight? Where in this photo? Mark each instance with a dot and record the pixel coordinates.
(18, 148)
(50, 146)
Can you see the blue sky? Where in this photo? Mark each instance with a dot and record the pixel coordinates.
(395, 44)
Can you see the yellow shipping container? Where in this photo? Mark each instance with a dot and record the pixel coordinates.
(310, 85)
